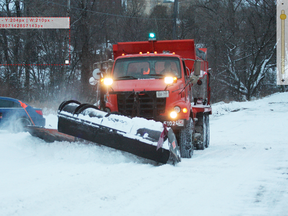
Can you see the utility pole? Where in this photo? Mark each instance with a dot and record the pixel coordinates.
(67, 37)
(175, 19)
(27, 50)
(66, 60)
(66, 44)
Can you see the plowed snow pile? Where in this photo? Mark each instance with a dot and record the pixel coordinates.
(243, 172)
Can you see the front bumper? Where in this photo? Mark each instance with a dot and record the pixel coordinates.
(174, 124)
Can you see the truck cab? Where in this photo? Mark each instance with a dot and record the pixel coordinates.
(143, 87)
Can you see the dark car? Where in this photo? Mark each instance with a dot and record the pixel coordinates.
(15, 115)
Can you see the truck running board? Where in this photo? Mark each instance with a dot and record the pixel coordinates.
(138, 136)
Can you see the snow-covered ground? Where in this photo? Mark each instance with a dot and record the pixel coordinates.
(243, 172)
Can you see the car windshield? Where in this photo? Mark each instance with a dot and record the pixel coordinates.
(146, 68)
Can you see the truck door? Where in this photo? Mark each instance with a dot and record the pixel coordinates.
(188, 87)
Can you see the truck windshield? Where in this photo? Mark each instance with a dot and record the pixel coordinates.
(146, 68)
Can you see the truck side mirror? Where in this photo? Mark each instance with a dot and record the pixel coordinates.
(197, 67)
(109, 66)
(194, 77)
(97, 74)
(93, 81)
(110, 63)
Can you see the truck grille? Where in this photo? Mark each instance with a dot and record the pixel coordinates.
(142, 104)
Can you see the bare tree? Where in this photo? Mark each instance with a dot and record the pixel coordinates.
(240, 35)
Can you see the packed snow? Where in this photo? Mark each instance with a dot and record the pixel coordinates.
(244, 171)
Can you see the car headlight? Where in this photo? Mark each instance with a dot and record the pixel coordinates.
(108, 81)
(173, 114)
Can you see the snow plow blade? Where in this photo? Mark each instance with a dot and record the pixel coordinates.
(49, 135)
(131, 135)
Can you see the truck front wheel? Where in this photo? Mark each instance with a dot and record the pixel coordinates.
(185, 140)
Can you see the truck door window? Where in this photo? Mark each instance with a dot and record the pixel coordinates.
(186, 73)
(120, 69)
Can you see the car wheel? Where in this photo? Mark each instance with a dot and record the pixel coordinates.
(19, 125)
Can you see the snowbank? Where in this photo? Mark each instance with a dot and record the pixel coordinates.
(244, 171)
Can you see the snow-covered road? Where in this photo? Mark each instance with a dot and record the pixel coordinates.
(243, 172)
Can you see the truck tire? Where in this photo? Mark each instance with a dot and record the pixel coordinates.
(207, 130)
(201, 136)
(185, 140)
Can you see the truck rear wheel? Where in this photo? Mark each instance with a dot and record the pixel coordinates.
(207, 125)
(185, 140)
(201, 136)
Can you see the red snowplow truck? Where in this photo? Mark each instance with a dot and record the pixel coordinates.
(167, 81)
(153, 101)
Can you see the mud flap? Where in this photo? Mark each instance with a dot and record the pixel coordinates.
(85, 121)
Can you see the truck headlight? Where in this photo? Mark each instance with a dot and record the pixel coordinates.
(173, 114)
(177, 109)
(108, 81)
(169, 80)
